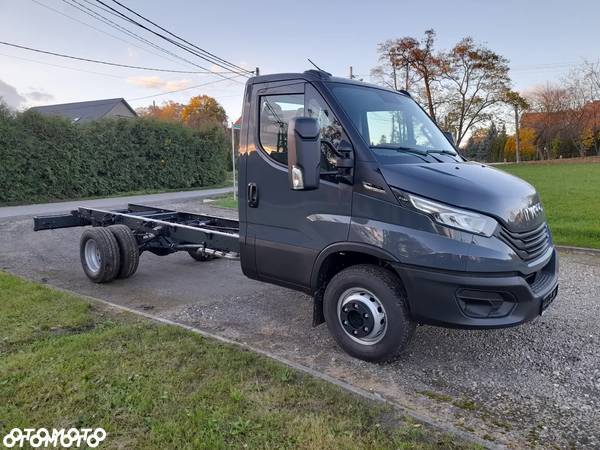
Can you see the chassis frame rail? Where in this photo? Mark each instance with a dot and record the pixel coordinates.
(160, 231)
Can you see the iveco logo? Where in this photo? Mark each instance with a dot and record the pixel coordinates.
(531, 212)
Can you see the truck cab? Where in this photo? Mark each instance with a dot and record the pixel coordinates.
(351, 193)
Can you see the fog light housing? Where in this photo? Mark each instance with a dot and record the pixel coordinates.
(485, 305)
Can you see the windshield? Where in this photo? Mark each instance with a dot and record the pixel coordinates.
(392, 124)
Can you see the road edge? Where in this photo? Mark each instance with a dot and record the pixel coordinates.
(573, 249)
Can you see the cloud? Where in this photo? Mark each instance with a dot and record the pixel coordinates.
(155, 82)
(39, 96)
(10, 95)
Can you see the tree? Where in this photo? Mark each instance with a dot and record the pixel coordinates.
(203, 111)
(548, 103)
(527, 137)
(458, 88)
(473, 145)
(518, 104)
(169, 111)
(476, 79)
(498, 145)
(412, 59)
(393, 71)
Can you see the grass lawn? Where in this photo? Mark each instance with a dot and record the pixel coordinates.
(225, 201)
(65, 362)
(571, 197)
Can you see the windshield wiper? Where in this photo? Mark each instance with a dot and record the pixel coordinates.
(400, 148)
(443, 152)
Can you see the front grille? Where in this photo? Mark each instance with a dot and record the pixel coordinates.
(528, 244)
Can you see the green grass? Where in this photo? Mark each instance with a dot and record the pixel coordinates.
(65, 362)
(570, 194)
(225, 201)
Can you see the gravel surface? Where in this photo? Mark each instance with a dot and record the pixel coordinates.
(537, 385)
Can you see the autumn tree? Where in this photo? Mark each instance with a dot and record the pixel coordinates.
(527, 138)
(458, 88)
(169, 111)
(547, 106)
(475, 79)
(518, 105)
(583, 114)
(407, 61)
(203, 111)
(393, 70)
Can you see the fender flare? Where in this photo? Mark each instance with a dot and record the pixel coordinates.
(356, 247)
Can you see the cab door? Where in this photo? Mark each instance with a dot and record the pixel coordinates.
(289, 227)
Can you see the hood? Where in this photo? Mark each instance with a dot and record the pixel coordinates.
(512, 201)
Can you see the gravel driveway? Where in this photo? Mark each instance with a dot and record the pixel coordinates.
(535, 385)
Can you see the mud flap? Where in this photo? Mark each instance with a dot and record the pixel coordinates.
(318, 316)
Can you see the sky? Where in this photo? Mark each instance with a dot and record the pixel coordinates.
(543, 39)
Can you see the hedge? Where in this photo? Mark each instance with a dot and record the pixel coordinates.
(48, 158)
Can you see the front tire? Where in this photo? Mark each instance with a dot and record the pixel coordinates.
(365, 310)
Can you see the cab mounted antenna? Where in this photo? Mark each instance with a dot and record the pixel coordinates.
(317, 67)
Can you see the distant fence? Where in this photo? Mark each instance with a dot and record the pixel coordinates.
(583, 160)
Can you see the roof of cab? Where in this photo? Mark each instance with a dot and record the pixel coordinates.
(313, 75)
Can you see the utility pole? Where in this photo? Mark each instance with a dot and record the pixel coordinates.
(351, 73)
(517, 138)
(233, 156)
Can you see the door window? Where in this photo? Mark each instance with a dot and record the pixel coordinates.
(332, 132)
(275, 113)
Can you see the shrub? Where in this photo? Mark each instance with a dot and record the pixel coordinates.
(48, 158)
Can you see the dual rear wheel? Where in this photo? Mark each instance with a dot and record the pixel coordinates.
(109, 252)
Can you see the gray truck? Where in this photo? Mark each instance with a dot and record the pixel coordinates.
(351, 193)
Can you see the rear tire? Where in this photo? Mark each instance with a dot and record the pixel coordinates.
(128, 250)
(365, 310)
(99, 253)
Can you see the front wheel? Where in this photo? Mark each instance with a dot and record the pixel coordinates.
(365, 310)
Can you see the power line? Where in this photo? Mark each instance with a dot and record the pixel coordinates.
(100, 62)
(129, 19)
(101, 31)
(62, 67)
(184, 89)
(206, 52)
(207, 56)
(116, 26)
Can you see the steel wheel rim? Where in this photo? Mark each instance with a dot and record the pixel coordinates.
(93, 260)
(352, 307)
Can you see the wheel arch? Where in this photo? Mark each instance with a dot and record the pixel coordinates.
(337, 257)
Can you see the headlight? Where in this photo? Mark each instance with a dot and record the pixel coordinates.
(451, 217)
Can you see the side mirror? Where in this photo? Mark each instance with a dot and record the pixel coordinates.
(304, 153)
(450, 137)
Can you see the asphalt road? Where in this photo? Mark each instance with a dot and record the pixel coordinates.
(534, 385)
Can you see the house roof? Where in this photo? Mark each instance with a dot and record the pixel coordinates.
(83, 111)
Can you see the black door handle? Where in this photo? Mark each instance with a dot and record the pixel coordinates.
(252, 195)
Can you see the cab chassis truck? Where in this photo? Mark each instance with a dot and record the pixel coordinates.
(350, 193)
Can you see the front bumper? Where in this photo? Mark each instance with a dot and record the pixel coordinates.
(478, 300)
